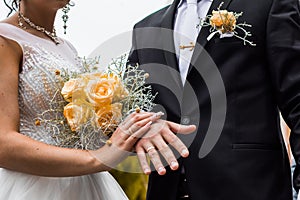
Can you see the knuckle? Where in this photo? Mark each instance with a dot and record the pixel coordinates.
(152, 154)
(139, 124)
(162, 146)
(172, 139)
(139, 149)
(133, 114)
(143, 141)
(167, 153)
(136, 118)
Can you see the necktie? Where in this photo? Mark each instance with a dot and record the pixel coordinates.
(188, 35)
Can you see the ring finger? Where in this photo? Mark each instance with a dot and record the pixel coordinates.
(155, 158)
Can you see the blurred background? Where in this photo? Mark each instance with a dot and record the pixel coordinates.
(91, 22)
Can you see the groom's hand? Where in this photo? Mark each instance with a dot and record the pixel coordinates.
(155, 143)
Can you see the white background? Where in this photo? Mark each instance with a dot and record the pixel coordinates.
(92, 22)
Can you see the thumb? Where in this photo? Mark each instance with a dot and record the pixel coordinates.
(182, 129)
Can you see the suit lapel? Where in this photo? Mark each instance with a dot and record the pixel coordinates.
(167, 26)
(168, 42)
(204, 33)
(202, 37)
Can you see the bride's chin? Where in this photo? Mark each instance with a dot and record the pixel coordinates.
(63, 3)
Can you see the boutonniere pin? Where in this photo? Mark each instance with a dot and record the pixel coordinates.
(225, 24)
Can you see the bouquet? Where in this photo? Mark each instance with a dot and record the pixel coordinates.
(91, 105)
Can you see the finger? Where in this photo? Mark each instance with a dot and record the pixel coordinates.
(133, 118)
(143, 160)
(125, 141)
(154, 158)
(168, 155)
(138, 125)
(127, 137)
(173, 140)
(156, 129)
(164, 148)
(139, 133)
(156, 116)
(182, 129)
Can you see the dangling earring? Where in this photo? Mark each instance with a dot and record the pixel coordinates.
(65, 16)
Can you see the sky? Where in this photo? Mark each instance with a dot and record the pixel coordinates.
(94, 22)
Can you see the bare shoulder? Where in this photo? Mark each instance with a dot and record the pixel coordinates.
(10, 53)
(9, 45)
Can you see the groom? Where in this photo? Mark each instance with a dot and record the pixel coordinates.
(233, 89)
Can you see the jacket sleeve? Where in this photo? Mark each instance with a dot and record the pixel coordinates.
(283, 48)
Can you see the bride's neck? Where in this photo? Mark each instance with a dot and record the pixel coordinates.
(39, 17)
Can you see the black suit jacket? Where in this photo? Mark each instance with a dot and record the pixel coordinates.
(249, 159)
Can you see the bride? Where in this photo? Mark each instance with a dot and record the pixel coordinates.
(33, 167)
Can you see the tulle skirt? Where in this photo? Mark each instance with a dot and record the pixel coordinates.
(19, 186)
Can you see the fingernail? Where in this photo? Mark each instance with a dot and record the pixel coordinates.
(157, 115)
(174, 164)
(161, 169)
(147, 171)
(184, 152)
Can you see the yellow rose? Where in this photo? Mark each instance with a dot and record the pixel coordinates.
(77, 114)
(120, 91)
(223, 20)
(71, 88)
(108, 117)
(99, 92)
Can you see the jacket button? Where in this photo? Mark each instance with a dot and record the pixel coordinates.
(185, 120)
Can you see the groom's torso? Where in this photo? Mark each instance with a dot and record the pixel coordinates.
(248, 161)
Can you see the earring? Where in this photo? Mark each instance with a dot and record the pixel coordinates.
(65, 16)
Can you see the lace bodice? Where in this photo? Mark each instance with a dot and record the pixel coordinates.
(38, 83)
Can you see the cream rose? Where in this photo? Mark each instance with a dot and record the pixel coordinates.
(108, 117)
(77, 114)
(223, 20)
(99, 92)
(117, 90)
(120, 91)
(70, 89)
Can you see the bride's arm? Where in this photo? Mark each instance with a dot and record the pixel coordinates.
(23, 154)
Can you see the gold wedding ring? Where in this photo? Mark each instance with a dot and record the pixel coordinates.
(150, 148)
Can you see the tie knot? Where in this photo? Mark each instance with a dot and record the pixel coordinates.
(192, 1)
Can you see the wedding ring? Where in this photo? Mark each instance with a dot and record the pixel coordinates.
(108, 142)
(150, 148)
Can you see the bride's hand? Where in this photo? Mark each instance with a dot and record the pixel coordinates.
(121, 143)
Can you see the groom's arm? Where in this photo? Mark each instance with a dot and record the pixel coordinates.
(283, 46)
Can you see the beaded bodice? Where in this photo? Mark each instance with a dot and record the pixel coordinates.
(38, 82)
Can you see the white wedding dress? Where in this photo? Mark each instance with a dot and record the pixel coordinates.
(37, 85)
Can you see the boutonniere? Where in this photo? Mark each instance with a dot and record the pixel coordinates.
(225, 24)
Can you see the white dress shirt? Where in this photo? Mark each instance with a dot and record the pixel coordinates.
(203, 7)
